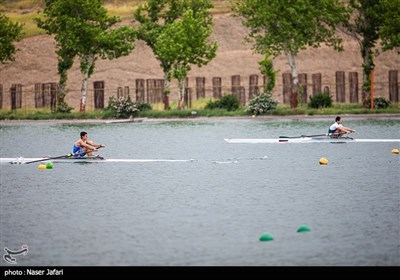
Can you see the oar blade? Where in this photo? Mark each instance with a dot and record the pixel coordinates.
(303, 136)
(50, 158)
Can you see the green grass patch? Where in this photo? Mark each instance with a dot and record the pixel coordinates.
(29, 26)
(281, 110)
(43, 114)
(23, 11)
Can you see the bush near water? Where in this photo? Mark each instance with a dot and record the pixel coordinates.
(125, 107)
(261, 104)
(229, 102)
(320, 100)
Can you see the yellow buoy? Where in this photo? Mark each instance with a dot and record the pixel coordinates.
(323, 161)
(253, 116)
(395, 151)
(42, 166)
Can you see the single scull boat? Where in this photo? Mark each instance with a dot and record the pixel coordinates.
(323, 139)
(21, 160)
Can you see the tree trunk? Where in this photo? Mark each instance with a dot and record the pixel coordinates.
(85, 84)
(166, 91)
(295, 80)
(181, 102)
(62, 93)
(367, 64)
(84, 92)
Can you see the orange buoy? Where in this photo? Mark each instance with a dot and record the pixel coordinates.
(323, 161)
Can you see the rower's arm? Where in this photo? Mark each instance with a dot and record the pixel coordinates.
(96, 145)
(349, 129)
(90, 146)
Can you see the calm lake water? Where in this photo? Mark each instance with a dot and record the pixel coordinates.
(211, 211)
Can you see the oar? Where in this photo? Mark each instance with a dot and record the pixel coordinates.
(302, 136)
(63, 156)
(50, 158)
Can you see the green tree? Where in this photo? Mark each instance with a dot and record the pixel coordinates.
(390, 28)
(184, 42)
(9, 32)
(267, 69)
(83, 28)
(155, 18)
(364, 27)
(287, 26)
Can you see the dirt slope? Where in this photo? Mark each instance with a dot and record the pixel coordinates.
(36, 62)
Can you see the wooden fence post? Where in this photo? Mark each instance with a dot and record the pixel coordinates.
(316, 83)
(99, 94)
(253, 86)
(340, 87)
(200, 87)
(188, 97)
(303, 88)
(287, 87)
(39, 101)
(235, 84)
(140, 90)
(126, 92)
(155, 89)
(353, 87)
(394, 86)
(217, 88)
(16, 96)
(119, 93)
(1, 96)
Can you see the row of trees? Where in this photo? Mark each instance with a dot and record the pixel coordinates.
(178, 33)
(285, 26)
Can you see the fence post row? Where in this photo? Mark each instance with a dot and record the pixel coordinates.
(151, 90)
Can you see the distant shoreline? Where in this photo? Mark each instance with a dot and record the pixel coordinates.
(204, 119)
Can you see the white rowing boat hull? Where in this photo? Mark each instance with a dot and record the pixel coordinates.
(305, 140)
(21, 160)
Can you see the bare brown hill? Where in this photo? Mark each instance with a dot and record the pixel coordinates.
(36, 62)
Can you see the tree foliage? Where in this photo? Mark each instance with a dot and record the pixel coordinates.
(183, 43)
(267, 69)
(157, 18)
(9, 33)
(364, 27)
(278, 26)
(390, 27)
(83, 28)
(287, 26)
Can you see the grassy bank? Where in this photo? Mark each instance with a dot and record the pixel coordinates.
(23, 11)
(281, 110)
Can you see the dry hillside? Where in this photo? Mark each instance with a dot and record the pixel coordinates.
(36, 62)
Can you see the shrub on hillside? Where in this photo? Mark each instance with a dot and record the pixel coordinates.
(320, 100)
(143, 106)
(379, 103)
(62, 107)
(122, 108)
(261, 104)
(229, 102)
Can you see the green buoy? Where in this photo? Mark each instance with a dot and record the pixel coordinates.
(49, 165)
(303, 229)
(266, 237)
